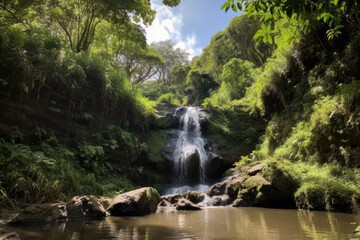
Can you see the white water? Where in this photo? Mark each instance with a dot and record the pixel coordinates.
(189, 143)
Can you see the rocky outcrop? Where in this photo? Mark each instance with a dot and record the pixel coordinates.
(138, 202)
(41, 213)
(79, 207)
(251, 186)
(87, 207)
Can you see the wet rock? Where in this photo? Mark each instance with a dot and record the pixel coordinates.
(41, 213)
(193, 167)
(256, 169)
(194, 196)
(164, 203)
(105, 202)
(9, 236)
(215, 166)
(172, 198)
(222, 200)
(171, 138)
(85, 207)
(217, 189)
(233, 186)
(138, 202)
(185, 205)
(240, 202)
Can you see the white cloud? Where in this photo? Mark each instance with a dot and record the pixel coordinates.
(168, 25)
(189, 45)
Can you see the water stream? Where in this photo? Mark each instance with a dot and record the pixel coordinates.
(209, 223)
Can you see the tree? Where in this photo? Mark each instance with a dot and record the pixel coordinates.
(310, 13)
(172, 57)
(78, 19)
(241, 32)
(125, 48)
(236, 74)
(23, 12)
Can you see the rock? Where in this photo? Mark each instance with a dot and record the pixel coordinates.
(217, 189)
(171, 138)
(185, 205)
(278, 192)
(193, 167)
(194, 196)
(7, 215)
(233, 186)
(222, 200)
(85, 207)
(10, 236)
(171, 198)
(163, 121)
(215, 166)
(138, 202)
(240, 202)
(164, 203)
(105, 202)
(41, 213)
(255, 169)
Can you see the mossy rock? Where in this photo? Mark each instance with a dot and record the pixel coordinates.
(156, 141)
(194, 196)
(164, 121)
(322, 197)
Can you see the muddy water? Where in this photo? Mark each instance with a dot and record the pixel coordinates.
(210, 223)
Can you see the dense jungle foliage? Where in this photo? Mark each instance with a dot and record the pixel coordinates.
(71, 113)
(76, 100)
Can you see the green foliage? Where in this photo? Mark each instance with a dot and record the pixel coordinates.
(200, 85)
(310, 14)
(237, 75)
(317, 187)
(168, 98)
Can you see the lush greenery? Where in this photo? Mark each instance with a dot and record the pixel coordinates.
(72, 115)
(79, 83)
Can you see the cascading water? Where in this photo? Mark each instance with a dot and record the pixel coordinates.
(190, 157)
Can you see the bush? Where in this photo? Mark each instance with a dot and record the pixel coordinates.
(168, 98)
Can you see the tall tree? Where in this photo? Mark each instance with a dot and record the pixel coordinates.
(172, 57)
(78, 19)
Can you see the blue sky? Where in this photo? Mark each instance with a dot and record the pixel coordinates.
(190, 25)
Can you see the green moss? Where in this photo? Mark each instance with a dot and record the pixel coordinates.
(156, 141)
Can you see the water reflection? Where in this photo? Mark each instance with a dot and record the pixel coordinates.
(210, 223)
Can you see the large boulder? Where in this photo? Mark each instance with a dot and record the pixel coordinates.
(41, 213)
(215, 166)
(138, 202)
(85, 207)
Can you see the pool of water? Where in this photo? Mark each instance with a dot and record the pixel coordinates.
(209, 223)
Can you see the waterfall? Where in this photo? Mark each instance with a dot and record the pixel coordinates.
(190, 157)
